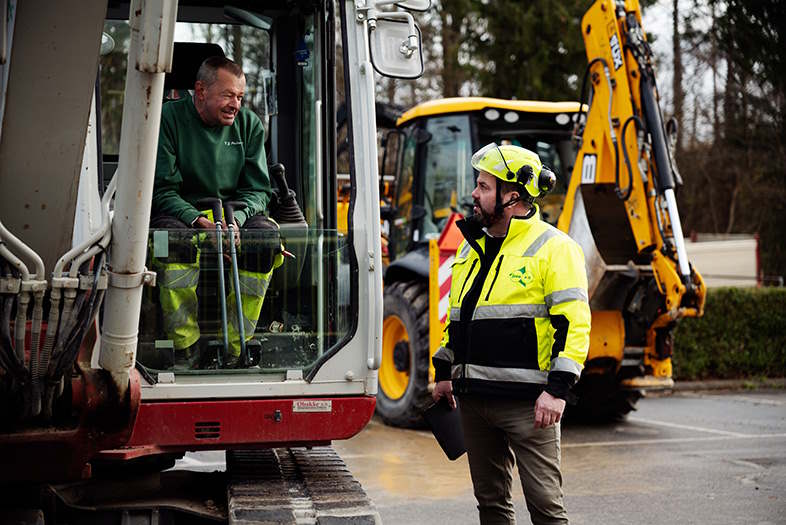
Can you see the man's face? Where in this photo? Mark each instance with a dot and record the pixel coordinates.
(219, 102)
(485, 198)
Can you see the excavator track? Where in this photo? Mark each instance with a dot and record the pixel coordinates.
(294, 486)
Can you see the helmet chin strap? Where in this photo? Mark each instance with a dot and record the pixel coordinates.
(499, 206)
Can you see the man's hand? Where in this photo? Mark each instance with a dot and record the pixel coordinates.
(444, 389)
(548, 410)
(235, 227)
(204, 223)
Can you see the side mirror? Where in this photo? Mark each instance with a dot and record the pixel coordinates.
(107, 44)
(415, 5)
(422, 136)
(395, 43)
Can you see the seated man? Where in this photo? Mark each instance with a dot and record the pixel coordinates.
(211, 147)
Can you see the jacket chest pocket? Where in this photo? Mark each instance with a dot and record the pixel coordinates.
(463, 271)
(513, 280)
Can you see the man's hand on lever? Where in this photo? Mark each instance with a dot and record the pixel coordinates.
(205, 223)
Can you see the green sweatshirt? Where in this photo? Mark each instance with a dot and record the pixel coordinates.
(196, 161)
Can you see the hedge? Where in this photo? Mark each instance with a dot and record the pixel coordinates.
(741, 335)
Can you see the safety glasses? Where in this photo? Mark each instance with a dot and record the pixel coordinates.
(481, 154)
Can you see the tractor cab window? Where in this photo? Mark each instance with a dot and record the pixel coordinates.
(448, 178)
(277, 301)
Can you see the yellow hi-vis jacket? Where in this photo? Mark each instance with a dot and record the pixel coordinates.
(528, 330)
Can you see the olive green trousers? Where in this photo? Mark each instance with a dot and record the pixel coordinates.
(499, 432)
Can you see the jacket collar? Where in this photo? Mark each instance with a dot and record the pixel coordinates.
(518, 226)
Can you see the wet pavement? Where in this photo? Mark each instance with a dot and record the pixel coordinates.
(689, 458)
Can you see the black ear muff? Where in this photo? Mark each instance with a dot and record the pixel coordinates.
(524, 174)
(546, 181)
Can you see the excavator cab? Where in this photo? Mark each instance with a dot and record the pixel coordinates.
(92, 381)
(295, 307)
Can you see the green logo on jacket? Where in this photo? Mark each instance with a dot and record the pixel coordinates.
(521, 276)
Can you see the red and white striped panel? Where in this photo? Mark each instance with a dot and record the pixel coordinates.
(444, 276)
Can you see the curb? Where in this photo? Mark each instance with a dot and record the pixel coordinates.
(730, 384)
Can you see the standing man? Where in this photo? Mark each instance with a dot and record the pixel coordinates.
(211, 147)
(516, 337)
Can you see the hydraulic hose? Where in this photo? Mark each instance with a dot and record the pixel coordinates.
(63, 327)
(20, 327)
(583, 93)
(94, 250)
(86, 315)
(11, 361)
(14, 261)
(35, 346)
(18, 246)
(625, 195)
(98, 235)
(612, 133)
(51, 328)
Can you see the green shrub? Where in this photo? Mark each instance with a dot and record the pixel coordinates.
(742, 335)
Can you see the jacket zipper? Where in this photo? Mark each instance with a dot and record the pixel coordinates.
(461, 293)
(496, 273)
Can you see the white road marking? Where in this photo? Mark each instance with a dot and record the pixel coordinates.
(685, 427)
(754, 400)
(664, 441)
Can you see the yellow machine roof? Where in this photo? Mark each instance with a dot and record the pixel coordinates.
(464, 104)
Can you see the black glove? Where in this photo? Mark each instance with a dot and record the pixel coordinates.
(260, 243)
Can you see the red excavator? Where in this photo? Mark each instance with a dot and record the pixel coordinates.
(96, 399)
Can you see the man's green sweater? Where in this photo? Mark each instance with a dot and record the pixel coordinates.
(196, 161)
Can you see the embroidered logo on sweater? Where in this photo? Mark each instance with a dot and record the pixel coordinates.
(521, 276)
(233, 143)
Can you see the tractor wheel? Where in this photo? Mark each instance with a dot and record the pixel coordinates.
(403, 374)
(600, 397)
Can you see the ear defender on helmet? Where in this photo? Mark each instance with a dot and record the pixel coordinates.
(544, 183)
(524, 175)
(546, 180)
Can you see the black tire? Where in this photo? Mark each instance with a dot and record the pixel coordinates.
(600, 398)
(407, 300)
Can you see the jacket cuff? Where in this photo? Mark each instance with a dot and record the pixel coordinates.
(441, 370)
(240, 217)
(189, 216)
(560, 383)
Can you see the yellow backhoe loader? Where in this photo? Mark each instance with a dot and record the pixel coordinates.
(615, 196)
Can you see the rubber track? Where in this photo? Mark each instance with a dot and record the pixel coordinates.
(295, 486)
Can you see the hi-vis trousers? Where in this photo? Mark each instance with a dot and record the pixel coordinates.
(178, 276)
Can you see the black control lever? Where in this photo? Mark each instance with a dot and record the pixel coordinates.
(288, 210)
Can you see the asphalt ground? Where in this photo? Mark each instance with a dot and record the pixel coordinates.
(692, 457)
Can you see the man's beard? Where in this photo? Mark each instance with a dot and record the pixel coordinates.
(484, 218)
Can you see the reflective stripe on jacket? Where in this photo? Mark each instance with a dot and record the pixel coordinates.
(531, 323)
